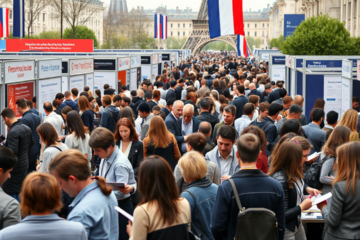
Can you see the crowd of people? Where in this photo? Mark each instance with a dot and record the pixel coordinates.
(190, 154)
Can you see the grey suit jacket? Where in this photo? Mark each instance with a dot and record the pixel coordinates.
(342, 213)
(9, 210)
(145, 126)
(316, 136)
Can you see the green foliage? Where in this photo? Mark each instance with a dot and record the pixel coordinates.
(277, 42)
(320, 35)
(82, 32)
(50, 35)
(253, 42)
(217, 46)
(175, 43)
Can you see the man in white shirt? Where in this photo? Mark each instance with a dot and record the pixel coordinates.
(53, 118)
(245, 119)
(124, 91)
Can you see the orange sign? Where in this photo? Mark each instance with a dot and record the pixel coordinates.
(19, 91)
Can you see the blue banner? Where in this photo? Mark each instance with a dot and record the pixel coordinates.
(291, 21)
(323, 63)
(18, 24)
(299, 63)
(280, 60)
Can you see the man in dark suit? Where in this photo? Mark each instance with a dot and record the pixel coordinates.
(179, 89)
(32, 121)
(188, 124)
(254, 91)
(205, 115)
(171, 92)
(149, 100)
(172, 124)
(240, 101)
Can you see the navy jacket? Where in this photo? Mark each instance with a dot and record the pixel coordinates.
(208, 117)
(178, 91)
(70, 103)
(88, 119)
(166, 111)
(135, 102)
(239, 103)
(268, 126)
(255, 92)
(171, 94)
(274, 95)
(256, 190)
(110, 117)
(173, 127)
(32, 121)
(196, 124)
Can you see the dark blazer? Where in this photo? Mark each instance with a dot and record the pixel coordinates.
(178, 91)
(151, 104)
(173, 127)
(171, 94)
(274, 95)
(196, 123)
(166, 111)
(136, 155)
(239, 103)
(32, 121)
(208, 117)
(255, 92)
(292, 210)
(256, 190)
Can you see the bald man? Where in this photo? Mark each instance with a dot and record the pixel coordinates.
(205, 128)
(299, 100)
(253, 90)
(171, 122)
(188, 124)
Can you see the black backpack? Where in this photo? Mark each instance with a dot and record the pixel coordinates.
(312, 175)
(264, 219)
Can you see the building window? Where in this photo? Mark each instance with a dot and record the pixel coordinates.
(263, 34)
(171, 33)
(179, 34)
(248, 34)
(268, 25)
(190, 25)
(178, 25)
(255, 34)
(255, 25)
(248, 25)
(263, 41)
(10, 14)
(11, 29)
(263, 24)
(171, 25)
(43, 17)
(183, 33)
(183, 25)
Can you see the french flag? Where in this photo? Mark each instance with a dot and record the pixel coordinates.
(164, 27)
(4, 22)
(161, 26)
(157, 29)
(225, 17)
(241, 45)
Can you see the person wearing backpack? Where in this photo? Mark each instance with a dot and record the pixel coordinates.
(110, 115)
(339, 136)
(261, 196)
(287, 168)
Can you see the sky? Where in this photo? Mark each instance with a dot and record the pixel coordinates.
(194, 4)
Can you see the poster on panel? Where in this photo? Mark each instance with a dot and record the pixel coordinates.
(127, 79)
(19, 91)
(278, 73)
(133, 79)
(332, 93)
(81, 66)
(90, 81)
(50, 68)
(145, 72)
(154, 72)
(47, 92)
(77, 82)
(64, 84)
(19, 71)
(102, 78)
(346, 95)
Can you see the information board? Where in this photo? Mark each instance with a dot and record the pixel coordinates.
(19, 91)
(90, 81)
(332, 93)
(47, 92)
(346, 95)
(77, 82)
(49, 68)
(64, 84)
(19, 71)
(102, 78)
(133, 79)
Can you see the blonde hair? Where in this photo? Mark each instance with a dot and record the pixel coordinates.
(193, 166)
(90, 93)
(349, 119)
(40, 193)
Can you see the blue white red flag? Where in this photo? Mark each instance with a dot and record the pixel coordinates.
(19, 18)
(164, 27)
(242, 46)
(4, 22)
(157, 26)
(225, 17)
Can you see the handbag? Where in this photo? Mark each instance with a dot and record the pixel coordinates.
(198, 212)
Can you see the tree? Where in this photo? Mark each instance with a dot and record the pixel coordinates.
(320, 35)
(253, 42)
(34, 8)
(137, 23)
(50, 35)
(277, 42)
(76, 12)
(82, 32)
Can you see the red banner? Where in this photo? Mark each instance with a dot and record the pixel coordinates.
(49, 45)
(19, 91)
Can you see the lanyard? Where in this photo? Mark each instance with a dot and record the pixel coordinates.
(83, 197)
(102, 169)
(299, 189)
(219, 164)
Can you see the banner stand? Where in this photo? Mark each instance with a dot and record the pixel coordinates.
(78, 68)
(135, 72)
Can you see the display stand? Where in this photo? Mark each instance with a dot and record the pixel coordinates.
(105, 72)
(135, 72)
(123, 72)
(277, 69)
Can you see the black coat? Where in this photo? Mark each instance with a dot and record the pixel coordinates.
(151, 104)
(166, 111)
(19, 140)
(173, 127)
(135, 102)
(136, 155)
(178, 91)
(208, 117)
(274, 95)
(239, 103)
(32, 121)
(170, 94)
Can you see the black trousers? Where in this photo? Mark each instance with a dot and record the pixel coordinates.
(127, 206)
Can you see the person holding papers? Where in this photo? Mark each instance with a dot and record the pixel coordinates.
(115, 168)
(287, 167)
(339, 136)
(161, 214)
(341, 215)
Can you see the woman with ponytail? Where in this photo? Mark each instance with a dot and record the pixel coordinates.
(94, 201)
